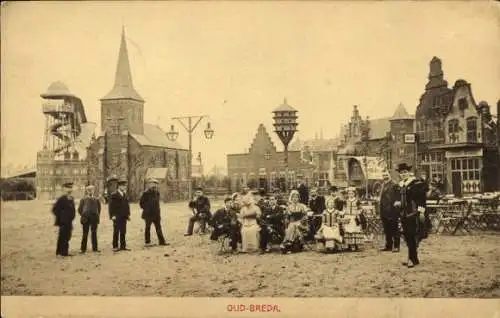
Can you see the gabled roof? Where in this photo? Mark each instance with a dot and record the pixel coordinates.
(379, 127)
(123, 87)
(156, 137)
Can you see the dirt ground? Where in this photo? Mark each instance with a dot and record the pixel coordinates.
(451, 266)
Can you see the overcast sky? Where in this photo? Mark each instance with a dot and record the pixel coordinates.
(187, 58)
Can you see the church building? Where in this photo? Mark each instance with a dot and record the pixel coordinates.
(129, 148)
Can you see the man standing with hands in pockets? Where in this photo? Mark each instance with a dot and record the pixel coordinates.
(150, 205)
(119, 213)
(389, 213)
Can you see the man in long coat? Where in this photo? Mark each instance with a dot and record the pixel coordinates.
(119, 213)
(90, 213)
(150, 205)
(412, 207)
(64, 212)
(389, 214)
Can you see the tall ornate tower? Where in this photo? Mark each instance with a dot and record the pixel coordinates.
(121, 114)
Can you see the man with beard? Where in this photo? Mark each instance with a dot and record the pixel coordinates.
(64, 212)
(151, 214)
(201, 209)
(412, 207)
(272, 216)
(389, 214)
(317, 206)
(119, 213)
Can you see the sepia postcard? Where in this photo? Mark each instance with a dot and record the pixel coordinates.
(250, 158)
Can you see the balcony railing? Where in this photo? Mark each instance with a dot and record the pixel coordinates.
(57, 108)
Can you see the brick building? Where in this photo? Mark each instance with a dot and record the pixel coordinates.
(263, 165)
(129, 148)
(457, 137)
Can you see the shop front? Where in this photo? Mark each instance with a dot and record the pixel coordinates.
(465, 173)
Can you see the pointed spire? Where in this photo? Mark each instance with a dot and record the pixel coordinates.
(123, 87)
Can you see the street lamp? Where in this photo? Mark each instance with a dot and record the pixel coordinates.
(190, 127)
(285, 126)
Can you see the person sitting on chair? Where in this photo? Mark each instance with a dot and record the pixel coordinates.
(201, 210)
(329, 232)
(295, 228)
(224, 222)
(270, 220)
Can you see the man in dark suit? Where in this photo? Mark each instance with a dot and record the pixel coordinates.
(150, 205)
(201, 210)
(389, 214)
(119, 213)
(90, 213)
(225, 221)
(303, 193)
(271, 217)
(64, 212)
(317, 205)
(412, 206)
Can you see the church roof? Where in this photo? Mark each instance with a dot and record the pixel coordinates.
(123, 87)
(156, 137)
(401, 113)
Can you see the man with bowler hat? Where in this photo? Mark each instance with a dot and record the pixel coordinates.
(90, 213)
(389, 214)
(150, 205)
(64, 212)
(119, 213)
(412, 207)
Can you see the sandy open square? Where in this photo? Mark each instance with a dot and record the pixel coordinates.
(460, 266)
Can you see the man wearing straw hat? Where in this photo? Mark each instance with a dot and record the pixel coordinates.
(119, 213)
(90, 213)
(412, 207)
(64, 212)
(150, 205)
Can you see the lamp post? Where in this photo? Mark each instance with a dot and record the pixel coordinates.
(190, 127)
(285, 126)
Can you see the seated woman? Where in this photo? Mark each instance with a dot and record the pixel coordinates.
(296, 224)
(328, 234)
(250, 230)
(353, 221)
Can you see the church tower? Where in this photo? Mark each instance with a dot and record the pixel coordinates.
(123, 107)
(121, 115)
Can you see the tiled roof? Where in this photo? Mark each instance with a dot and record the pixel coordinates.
(284, 107)
(155, 136)
(316, 144)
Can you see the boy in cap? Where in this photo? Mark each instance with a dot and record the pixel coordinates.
(150, 205)
(64, 212)
(90, 213)
(412, 206)
(119, 213)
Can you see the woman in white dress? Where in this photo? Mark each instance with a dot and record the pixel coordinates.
(352, 221)
(250, 235)
(328, 234)
(296, 225)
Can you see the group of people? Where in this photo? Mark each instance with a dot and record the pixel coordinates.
(254, 223)
(89, 209)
